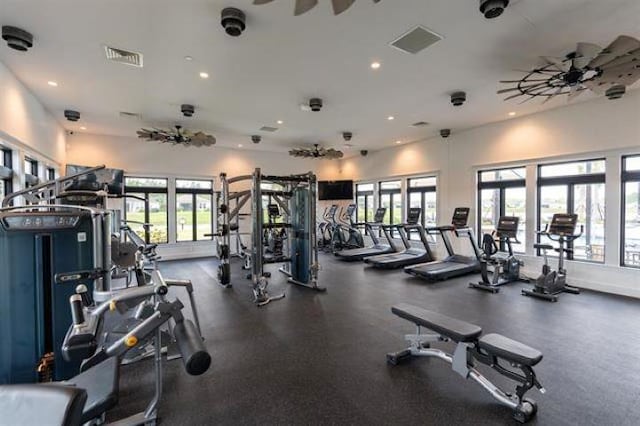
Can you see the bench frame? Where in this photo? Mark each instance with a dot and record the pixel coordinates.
(463, 361)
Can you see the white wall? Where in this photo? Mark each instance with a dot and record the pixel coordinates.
(142, 158)
(25, 123)
(599, 128)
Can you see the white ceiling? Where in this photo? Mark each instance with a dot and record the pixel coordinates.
(281, 60)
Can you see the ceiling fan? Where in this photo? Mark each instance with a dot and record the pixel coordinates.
(316, 152)
(604, 71)
(177, 137)
(303, 6)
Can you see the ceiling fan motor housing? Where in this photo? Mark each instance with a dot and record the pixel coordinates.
(493, 8)
(17, 38)
(233, 21)
(71, 115)
(315, 104)
(458, 98)
(615, 92)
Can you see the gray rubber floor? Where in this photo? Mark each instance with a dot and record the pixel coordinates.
(319, 358)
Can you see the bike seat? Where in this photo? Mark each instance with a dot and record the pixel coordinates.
(543, 246)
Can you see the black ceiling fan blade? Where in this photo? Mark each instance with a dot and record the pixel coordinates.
(340, 6)
(303, 6)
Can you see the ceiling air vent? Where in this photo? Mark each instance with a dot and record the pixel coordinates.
(420, 124)
(416, 40)
(123, 56)
(133, 115)
(268, 129)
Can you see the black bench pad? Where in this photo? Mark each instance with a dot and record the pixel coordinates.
(456, 330)
(38, 404)
(503, 347)
(102, 385)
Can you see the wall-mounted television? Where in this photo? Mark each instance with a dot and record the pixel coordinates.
(112, 179)
(335, 190)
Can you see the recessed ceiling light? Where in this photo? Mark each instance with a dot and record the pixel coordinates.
(83, 128)
(512, 113)
(398, 142)
(375, 65)
(52, 83)
(280, 122)
(204, 75)
(391, 117)
(188, 58)
(239, 145)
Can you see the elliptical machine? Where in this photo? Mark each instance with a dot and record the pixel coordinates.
(506, 268)
(274, 237)
(325, 228)
(346, 234)
(551, 283)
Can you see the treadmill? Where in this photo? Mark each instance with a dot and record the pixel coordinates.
(356, 254)
(410, 255)
(454, 265)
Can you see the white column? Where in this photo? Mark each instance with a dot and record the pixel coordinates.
(613, 215)
(531, 208)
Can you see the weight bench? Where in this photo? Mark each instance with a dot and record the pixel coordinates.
(493, 350)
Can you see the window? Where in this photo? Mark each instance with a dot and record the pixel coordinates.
(576, 187)
(194, 203)
(502, 192)
(631, 211)
(51, 173)
(422, 193)
(391, 198)
(30, 172)
(364, 202)
(6, 172)
(153, 210)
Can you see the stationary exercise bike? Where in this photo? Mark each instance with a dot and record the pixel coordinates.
(506, 268)
(551, 283)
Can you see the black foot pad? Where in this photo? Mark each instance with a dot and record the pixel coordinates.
(396, 358)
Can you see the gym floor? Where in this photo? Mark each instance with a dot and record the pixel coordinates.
(319, 358)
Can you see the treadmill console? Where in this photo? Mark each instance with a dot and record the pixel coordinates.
(460, 217)
(414, 215)
(379, 216)
(351, 208)
(508, 226)
(273, 210)
(563, 224)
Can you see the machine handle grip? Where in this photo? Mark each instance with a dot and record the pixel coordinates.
(77, 313)
(195, 357)
(83, 292)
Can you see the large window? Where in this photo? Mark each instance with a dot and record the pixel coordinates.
(30, 172)
(422, 193)
(502, 192)
(577, 187)
(391, 197)
(631, 211)
(153, 210)
(6, 172)
(364, 202)
(194, 203)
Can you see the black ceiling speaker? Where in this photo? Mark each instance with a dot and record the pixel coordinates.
(17, 38)
(233, 21)
(315, 104)
(347, 136)
(458, 98)
(364, 152)
(445, 133)
(187, 110)
(256, 138)
(493, 8)
(615, 92)
(71, 115)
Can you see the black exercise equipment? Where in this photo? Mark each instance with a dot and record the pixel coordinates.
(345, 233)
(551, 283)
(352, 255)
(453, 265)
(325, 228)
(508, 357)
(410, 255)
(497, 251)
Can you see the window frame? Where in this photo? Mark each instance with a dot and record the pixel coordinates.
(423, 191)
(571, 181)
(146, 191)
(194, 192)
(625, 177)
(366, 195)
(7, 162)
(501, 186)
(391, 192)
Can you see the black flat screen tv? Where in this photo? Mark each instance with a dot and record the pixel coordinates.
(112, 179)
(335, 190)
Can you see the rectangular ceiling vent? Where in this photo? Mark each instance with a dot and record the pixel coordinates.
(132, 115)
(123, 56)
(416, 40)
(268, 129)
(420, 124)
